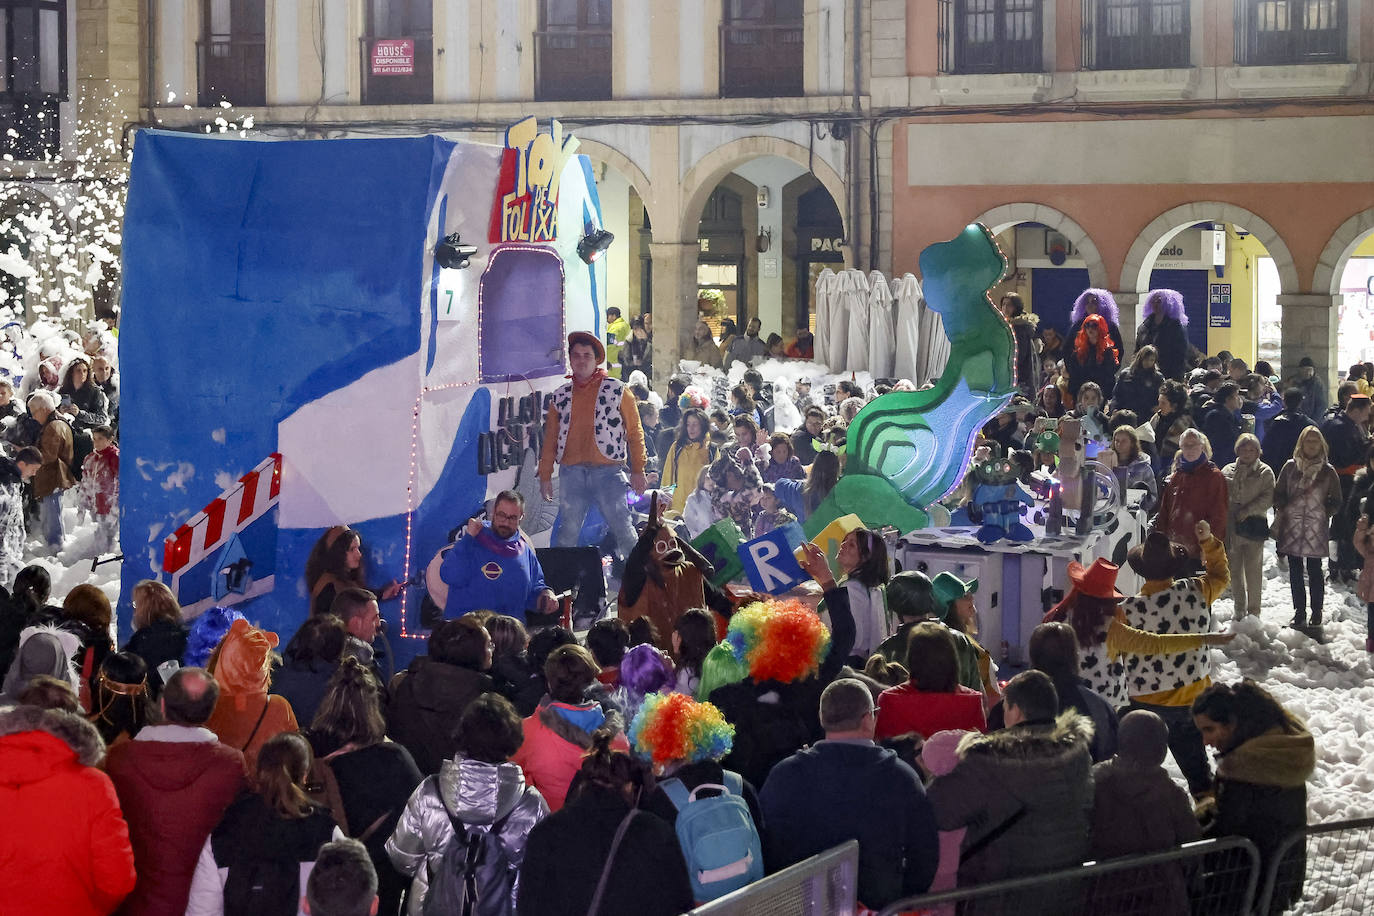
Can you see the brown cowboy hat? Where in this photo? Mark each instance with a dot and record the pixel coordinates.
(1096, 581)
(591, 340)
(1158, 558)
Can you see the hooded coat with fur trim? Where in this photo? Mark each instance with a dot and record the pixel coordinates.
(1025, 795)
(1261, 788)
(65, 847)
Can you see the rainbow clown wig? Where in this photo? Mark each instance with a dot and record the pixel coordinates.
(673, 727)
(779, 640)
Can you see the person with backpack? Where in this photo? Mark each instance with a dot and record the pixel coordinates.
(366, 779)
(258, 860)
(847, 787)
(462, 837)
(715, 812)
(600, 855)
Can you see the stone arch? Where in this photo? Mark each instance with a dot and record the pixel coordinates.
(1327, 277)
(701, 179)
(601, 152)
(1001, 218)
(1135, 275)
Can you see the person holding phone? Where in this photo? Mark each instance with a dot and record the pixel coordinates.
(494, 566)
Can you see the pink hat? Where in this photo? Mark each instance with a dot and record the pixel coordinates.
(940, 752)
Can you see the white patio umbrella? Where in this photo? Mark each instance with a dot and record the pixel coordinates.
(856, 299)
(935, 349)
(837, 327)
(907, 349)
(826, 291)
(881, 326)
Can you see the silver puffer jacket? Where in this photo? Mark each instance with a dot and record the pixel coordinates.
(478, 794)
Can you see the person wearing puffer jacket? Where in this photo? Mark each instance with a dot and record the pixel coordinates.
(1025, 793)
(560, 732)
(484, 792)
(65, 847)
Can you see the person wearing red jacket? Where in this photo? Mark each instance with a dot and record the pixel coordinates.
(174, 780)
(65, 848)
(100, 486)
(933, 700)
(1195, 492)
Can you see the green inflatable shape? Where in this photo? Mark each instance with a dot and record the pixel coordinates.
(872, 499)
(909, 449)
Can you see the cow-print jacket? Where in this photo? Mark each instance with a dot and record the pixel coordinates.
(1180, 606)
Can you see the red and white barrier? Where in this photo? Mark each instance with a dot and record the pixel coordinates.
(235, 509)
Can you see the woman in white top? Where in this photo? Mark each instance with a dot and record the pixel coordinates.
(863, 559)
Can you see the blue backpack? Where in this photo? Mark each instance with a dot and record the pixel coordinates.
(717, 836)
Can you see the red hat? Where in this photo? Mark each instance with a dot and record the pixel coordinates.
(584, 337)
(1097, 581)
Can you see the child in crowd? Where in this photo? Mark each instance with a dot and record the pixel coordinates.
(939, 756)
(100, 487)
(700, 511)
(771, 513)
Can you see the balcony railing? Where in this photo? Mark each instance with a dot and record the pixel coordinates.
(1135, 34)
(990, 36)
(761, 61)
(1290, 32)
(572, 64)
(232, 70)
(391, 80)
(34, 119)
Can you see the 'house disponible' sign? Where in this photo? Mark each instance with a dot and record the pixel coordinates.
(393, 57)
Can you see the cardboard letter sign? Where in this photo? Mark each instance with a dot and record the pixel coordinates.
(717, 544)
(769, 563)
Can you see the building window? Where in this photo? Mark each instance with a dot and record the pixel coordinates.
(1135, 34)
(990, 36)
(232, 52)
(398, 53)
(574, 57)
(1290, 31)
(761, 43)
(33, 39)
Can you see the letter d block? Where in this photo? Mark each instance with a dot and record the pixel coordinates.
(769, 563)
(717, 544)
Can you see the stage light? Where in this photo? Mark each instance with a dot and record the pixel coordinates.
(452, 254)
(593, 244)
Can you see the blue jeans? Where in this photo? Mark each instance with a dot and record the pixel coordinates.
(603, 485)
(50, 518)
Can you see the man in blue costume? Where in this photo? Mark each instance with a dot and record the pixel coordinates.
(494, 567)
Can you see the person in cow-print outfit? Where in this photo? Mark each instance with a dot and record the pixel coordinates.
(592, 432)
(1174, 601)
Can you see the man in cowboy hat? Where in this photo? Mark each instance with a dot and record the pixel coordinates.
(1173, 601)
(592, 432)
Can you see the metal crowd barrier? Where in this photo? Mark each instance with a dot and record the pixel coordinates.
(1215, 877)
(1336, 877)
(823, 885)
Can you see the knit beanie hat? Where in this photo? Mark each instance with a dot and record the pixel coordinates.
(42, 650)
(1142, 738)
(939, 753)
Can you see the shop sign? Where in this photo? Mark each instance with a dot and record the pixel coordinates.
(526, 206)
(393, 57)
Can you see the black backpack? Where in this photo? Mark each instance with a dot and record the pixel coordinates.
(263, 888)
(453, 883)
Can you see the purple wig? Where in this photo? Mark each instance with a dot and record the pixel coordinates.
(645, 670)
(1171, 301)
(206, 631)
(1106, 307)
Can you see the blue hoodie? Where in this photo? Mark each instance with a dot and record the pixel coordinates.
(491, 573)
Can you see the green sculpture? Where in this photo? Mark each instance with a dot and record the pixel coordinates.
(908, 449)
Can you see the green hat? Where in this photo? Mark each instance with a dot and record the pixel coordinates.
(950, 588)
